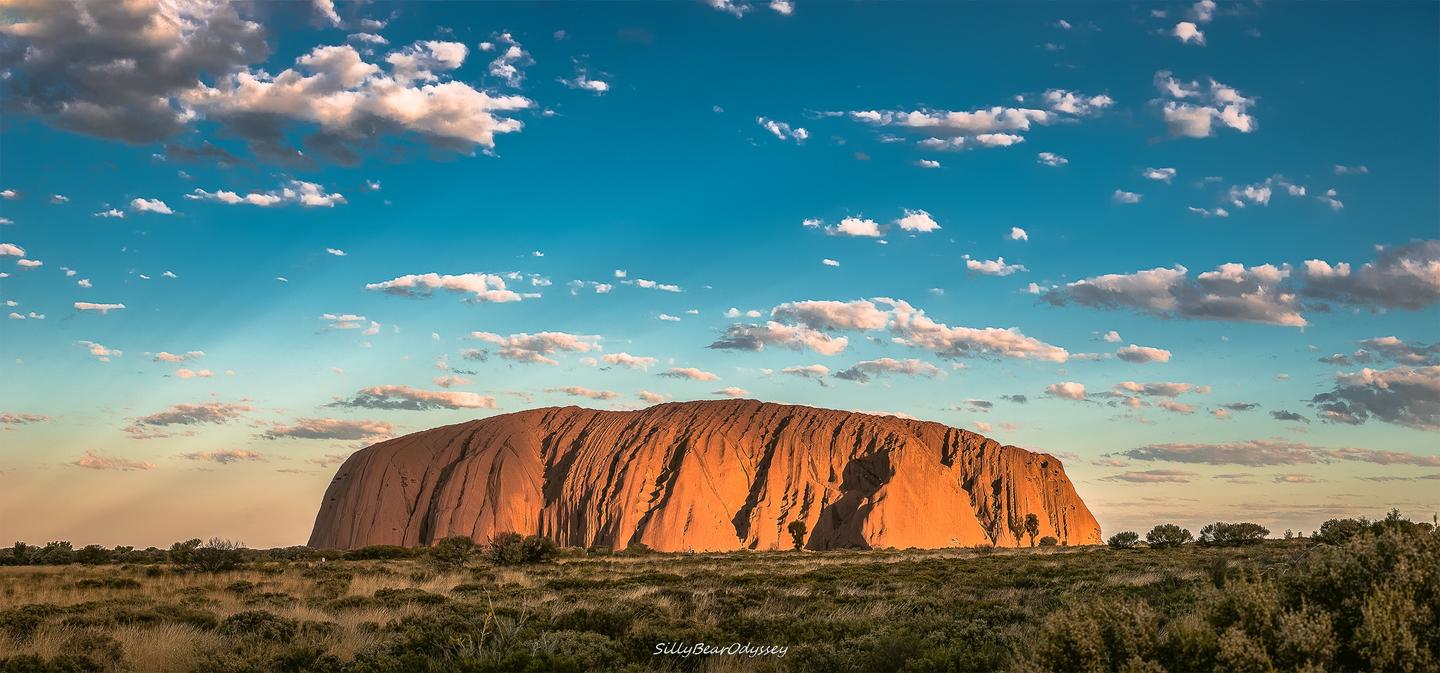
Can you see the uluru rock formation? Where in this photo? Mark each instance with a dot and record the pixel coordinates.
(703, 476)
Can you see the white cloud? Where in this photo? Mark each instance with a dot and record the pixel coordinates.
(578, 391)
(652, 285)
(916, 220)
(829, 262)
(772, 333)
(102, 309)
(1216, 102)
(735, 8)
(1189, 33)
(731, 391)
(690, 373)
(350, 99)
(11, 250)
(1202, 11)
(993, 267)
(861, 314)
(807, 371)
(1202, 212)
(856, 226)
(1404, 276)
(782, 130)
(94, 461)
(916, 329)
(150, 206)
(864, 371)
(1121, 196)
(1068, 390)
(1112, 336)
(784, 7)
(1018, 234)
(307, 194)
(1142, 354)
(1051, 159)
(535, 347)
(483, 287)
(629, 361)
(669, 318)
(1402, 395)
(585, 82)
(649, 397)
(344, 321)
(29, 263)
(414, 399)
(368, 38)
(100, 352)
(326, 8)
(336, 252)
(989, 127)
(1161, 174)
(927, 163)
(1230, 292)
(449, 381)
(164, 356)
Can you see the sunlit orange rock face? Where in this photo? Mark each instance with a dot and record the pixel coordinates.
(702, 476)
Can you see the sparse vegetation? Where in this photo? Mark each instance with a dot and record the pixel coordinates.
(1124, 540)
(1364, 603)
(797, 534)
(1032, 527)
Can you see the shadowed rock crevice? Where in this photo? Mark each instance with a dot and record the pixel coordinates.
(704, 476)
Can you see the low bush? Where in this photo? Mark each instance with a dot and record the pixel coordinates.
(1167, 535)
(1221, 534)
(517, 549)
(1124, 540)
(259, 625)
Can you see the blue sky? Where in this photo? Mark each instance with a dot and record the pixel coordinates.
(1062, 171)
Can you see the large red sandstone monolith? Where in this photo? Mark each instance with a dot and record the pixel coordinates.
(703, 476)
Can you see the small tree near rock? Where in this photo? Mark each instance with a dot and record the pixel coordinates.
(1048, 541)
(1032, 527)
(1167, 535)
(797, 534)
(1124, 540)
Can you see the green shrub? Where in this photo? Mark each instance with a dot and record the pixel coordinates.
(1048, 541)
(107, 583)
(216, 555)
(259, 625)
(1339, 531)
(1124, 540)
(379, 552)
(20, 623)
(1221, 534)
(452, 552)
(515, 549)
(55, 553)
(1167, 535)
(93, 554)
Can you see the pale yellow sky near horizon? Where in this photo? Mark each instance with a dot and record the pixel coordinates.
(262, 507)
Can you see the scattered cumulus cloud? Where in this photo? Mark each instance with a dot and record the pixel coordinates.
(403, 397)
